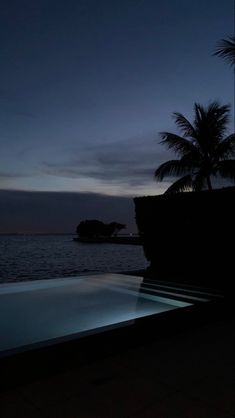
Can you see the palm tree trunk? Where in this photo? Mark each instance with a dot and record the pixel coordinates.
(209, 185)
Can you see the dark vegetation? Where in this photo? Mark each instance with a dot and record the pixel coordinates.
(96, 229)
(204, 149)
(188, 237)
(226, 50)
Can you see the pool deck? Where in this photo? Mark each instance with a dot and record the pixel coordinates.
(187, 374)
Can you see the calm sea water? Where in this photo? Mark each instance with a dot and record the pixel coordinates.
(33, 257)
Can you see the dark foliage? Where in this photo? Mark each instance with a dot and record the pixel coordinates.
(188, 237)
(94, 228)
(204, 150)
(226, 50)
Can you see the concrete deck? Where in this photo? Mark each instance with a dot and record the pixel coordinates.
(186, 375)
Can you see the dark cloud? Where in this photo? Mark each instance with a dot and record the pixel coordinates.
(53, 212)
(4, 175)
(132, 161)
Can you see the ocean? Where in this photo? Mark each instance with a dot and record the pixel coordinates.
(34, 257)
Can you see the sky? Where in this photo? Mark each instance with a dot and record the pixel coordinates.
(86, 86)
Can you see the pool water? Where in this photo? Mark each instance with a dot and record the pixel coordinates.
(40, 313)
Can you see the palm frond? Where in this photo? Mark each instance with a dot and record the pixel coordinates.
(214, 114)
(193, 158)
(171, 168)
(218, 118)
(226, 49)
(185, 126)
(181, 185)
(218, 109)
(226, 169)
(200, 116)
(226, 148)
(199, 113)
(199, 181)
(210, 124)
(179, 144)
(203, 149)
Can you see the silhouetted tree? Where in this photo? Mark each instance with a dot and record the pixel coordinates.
(226, 50)
(114, 228)
(94, 228)
(90, 228)
(203, 149)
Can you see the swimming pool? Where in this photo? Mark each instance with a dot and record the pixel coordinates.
(40, 313)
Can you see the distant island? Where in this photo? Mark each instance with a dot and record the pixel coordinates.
(95, 231)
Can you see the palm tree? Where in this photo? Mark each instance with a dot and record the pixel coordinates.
(226, 49)
(204, 150)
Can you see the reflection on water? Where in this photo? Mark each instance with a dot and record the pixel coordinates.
(71, 308)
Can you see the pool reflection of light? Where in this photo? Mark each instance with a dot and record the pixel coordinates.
(42, 311)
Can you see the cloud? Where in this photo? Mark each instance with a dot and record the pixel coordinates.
(9, 179)
(5, 175)
(132, 161)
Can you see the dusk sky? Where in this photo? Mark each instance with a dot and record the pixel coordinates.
(87, 85)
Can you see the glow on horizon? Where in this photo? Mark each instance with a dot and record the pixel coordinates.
(82, 185)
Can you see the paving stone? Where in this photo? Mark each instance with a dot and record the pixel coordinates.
(13, 406)
(216, 391)
(180, 406)
(113, 399)
(189, 374)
